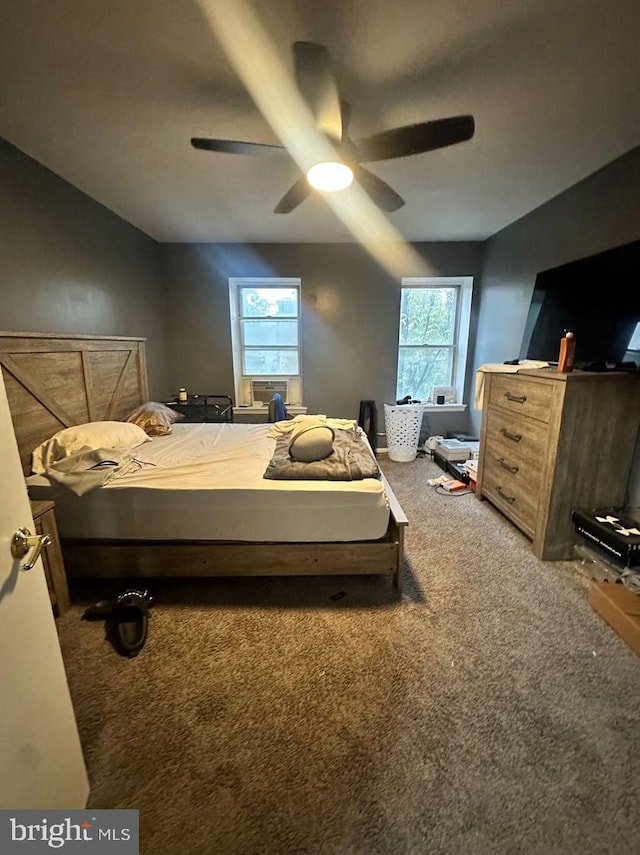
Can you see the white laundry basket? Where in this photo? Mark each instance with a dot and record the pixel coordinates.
(403, 424)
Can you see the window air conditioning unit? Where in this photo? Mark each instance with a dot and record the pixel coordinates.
(262, 391)
(256, 392)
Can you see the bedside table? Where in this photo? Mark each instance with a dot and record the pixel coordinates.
(45, 523)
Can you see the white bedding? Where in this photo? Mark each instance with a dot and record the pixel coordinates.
(206, 484)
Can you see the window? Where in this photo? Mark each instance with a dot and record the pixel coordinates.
(265, 330)
(433, 338)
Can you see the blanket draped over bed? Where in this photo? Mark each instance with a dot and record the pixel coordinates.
(91, 468)
(350, 460)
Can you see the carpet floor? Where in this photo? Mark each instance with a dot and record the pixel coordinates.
(487, 710)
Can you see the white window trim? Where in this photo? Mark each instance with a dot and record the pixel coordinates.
(235, 283)
(462, 321)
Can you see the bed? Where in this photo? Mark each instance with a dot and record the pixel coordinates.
(220, 518)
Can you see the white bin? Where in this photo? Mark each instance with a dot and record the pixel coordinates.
(403, 423)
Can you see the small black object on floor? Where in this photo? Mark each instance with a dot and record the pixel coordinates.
(454, 467)
(126, 620)
(462, 437)
(99, 611)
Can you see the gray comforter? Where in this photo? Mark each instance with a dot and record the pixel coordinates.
(350, 460)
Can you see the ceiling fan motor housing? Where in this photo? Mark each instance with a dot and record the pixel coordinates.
(317, 85)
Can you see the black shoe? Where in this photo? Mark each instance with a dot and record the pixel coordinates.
(127, 622)
(103, 608)
(99, 610)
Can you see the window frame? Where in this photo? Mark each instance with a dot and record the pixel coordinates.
(236, 285)
(462, 323)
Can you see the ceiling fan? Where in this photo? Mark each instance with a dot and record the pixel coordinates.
(317, 85)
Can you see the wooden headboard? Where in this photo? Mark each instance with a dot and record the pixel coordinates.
(55, 381)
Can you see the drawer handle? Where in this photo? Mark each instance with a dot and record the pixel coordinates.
(510, 499)
(505, 465)
(516, 437)
(517, 399)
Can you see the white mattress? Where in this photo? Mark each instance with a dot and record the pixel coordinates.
(206, 484)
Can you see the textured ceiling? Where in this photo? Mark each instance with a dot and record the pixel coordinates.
(108, 94)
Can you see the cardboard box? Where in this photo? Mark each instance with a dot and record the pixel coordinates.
(471, 467)
(472, 472)
(620, 607)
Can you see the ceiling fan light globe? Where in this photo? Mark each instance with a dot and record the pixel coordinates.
(330, 176)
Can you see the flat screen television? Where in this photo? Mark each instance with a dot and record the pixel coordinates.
(598, 298)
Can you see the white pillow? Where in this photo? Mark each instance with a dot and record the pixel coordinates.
(91, 435)
(312, 443)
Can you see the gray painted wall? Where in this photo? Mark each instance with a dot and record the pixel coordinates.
(350, 316)
(72, 266)
(600, 212)
(69, 265)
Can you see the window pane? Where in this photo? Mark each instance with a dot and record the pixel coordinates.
(422, 368)
(428, 315)
(263, 361)
(270, 333)
(269, 302)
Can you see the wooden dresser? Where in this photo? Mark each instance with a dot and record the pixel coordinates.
(552, 443)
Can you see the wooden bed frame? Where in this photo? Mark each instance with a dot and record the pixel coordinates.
(56, 381)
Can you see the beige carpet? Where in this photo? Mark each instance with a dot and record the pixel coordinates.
(490, 710)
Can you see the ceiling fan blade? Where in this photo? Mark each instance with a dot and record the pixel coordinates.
(415, 139)
(318, 86)
(236, 146)
(379, 191)
(294, 196)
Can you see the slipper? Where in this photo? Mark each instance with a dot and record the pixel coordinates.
(127, 623)
(103, 608)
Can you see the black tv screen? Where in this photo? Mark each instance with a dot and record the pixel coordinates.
(598, 299)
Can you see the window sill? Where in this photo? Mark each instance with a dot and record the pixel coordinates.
(445, 408)
(292, 409)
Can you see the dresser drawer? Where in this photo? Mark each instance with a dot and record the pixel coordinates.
(521, 396)
(512, 494)
(518, 439)
(512, 468)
